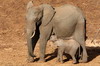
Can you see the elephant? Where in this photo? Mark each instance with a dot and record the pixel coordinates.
(43, 20)
(69, 46)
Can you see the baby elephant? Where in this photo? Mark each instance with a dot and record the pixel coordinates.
(69, 46)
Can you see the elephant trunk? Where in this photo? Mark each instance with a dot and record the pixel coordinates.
(29, 43)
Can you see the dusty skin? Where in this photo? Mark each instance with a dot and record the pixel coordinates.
(13, 47)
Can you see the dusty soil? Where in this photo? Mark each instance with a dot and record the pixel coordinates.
(13, 49)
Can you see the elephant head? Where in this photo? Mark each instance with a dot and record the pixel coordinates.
(37, 15)
(41, 14)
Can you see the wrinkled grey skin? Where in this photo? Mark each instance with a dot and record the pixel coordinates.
(69, 46)
(64, 21)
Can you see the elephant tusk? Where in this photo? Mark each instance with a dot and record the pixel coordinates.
(32, 35)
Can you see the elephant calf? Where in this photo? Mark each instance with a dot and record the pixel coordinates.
(69, 46)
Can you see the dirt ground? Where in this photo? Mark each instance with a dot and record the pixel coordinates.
(13, 46)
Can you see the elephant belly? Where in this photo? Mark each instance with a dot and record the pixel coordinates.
(64, 28)
(65, 20)
(64, 31)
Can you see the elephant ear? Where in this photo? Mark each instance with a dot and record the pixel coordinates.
(48, 13)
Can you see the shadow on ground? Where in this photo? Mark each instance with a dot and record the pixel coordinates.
(93, 52)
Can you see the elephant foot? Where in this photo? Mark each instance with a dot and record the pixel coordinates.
(61, 62)
(58, 61)
(30, 59)
(82, 61)
(74, 62)
(41, 60)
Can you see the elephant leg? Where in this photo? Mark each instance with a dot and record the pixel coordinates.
(84, 52)
(79, 36)
(45, 33)
(61, 57)
(58, 59)
(60, 53)
(84, 55)
(42, 47)
(74, 59)
(73, 53)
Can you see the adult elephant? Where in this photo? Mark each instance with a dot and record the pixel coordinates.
(65, 21)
